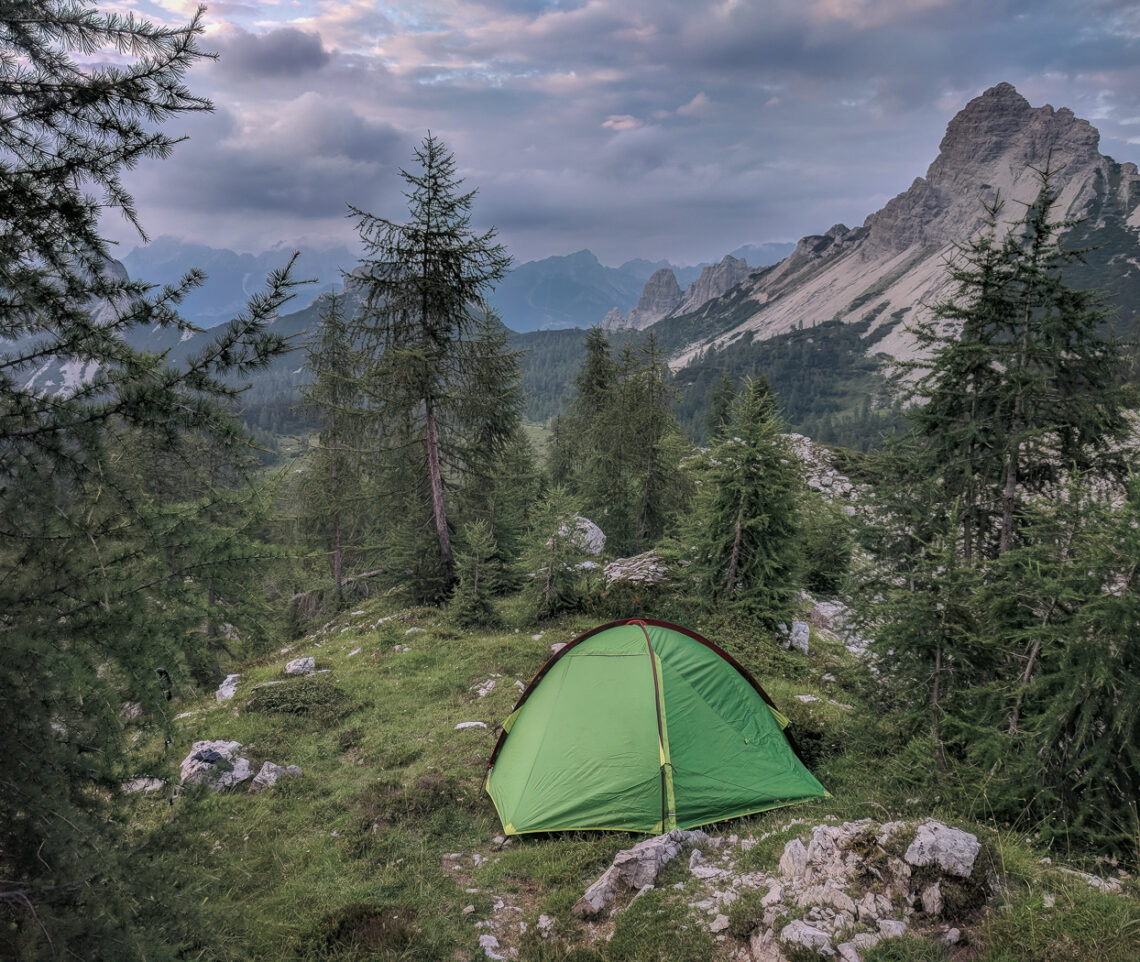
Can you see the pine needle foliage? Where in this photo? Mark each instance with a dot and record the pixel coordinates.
(999, 587)
(441, 388)
(332, 493)
(105, 590)
(619, 446)
(747, 511)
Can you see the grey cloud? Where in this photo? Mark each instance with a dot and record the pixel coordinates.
(282, 52)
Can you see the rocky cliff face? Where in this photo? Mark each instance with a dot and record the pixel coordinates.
(714, 282)
(662, 296)
(886, 270)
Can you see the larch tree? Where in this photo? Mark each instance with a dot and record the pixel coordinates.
(99, 578)
(442, 390)
(331, 483)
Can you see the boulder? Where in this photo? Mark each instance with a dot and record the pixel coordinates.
(951, 849)
(217, 763)
(801, 933)
(642, 569)
(793, 863)
(587, 536)
(228, 688)
(301, 666)
(266, 777)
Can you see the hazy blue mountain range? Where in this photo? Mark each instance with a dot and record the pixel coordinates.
(572, 290)
(231, 277)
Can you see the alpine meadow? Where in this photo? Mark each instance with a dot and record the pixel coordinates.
(789, 612)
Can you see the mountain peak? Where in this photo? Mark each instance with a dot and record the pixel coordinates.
(1000, 119)
(991, 150)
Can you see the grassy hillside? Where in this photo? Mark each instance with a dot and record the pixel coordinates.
(386, 847)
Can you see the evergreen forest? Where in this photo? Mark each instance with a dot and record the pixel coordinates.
(423, 523)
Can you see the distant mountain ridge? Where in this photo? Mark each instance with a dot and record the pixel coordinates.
(232, 277)
(820, 321)
(571, 290)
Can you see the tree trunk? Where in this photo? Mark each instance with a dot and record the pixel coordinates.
(734, 556)
(337, 559)
(936, 709)
(435, 479)
(1009, 499)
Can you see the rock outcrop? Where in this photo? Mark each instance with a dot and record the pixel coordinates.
(714, 281)
(217, 763)
(640, 570)
(893, 265)
(839, 889)
(635, 868)
(660, 298)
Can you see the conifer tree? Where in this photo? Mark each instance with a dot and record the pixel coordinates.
(331, 486)
(1022, 384)
(441, 388)
(554, 555)
(471, 605)
(98, 577)
(619, 446)
(747, 509)
(984, 578)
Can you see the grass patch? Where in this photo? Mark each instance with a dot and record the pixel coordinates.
(377, 849)
(1071, 922)
(314, 698)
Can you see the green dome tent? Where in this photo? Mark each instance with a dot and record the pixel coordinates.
(642, 726)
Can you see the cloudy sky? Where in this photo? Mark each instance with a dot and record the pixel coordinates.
(675, 129)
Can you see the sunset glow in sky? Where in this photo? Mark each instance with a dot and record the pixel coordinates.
(676, 129)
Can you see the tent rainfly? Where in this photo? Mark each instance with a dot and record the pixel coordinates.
(642, 726)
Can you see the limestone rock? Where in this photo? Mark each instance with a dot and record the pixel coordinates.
(828, 895)
(488, 943)
(587, 536)
(950, 849)
(799, 932)
(891, 928)
(228, 688)
(766, 948)
(266, 777)
(614, 321)
(301, 666)
(635, 868)
(659, 298)
(216, 763)
(642, 569)
(714, 282)
(897, 259)
(793, 863)
(932, 899)
(800, 636)
(142, 784)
